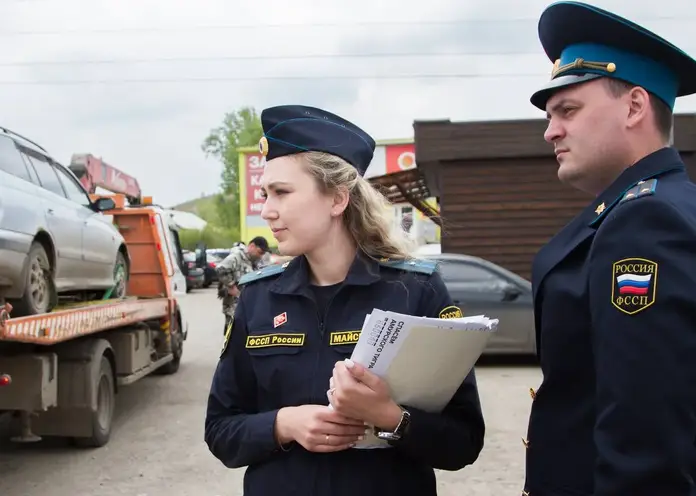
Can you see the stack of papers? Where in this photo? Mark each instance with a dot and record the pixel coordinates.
(423, 360)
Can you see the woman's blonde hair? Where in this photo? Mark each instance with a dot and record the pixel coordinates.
(367, 215)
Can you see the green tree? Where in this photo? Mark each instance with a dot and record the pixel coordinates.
(239, 129)
(211, 236)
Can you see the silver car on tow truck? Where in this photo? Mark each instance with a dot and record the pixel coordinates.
(54, 240)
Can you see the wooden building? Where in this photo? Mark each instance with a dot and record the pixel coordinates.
(496, 183)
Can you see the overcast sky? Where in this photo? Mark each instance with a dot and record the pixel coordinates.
(117, 78)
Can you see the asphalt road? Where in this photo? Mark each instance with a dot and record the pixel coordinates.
(157, 446)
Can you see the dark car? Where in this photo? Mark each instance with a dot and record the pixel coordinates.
(195, 276)
(209, 272)
(480, 287)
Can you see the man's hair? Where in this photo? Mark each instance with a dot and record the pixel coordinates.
(664, 118)
(260, 242)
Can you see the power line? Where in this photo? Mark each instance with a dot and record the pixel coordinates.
(351, 25)
(25, 63)
(403, 77)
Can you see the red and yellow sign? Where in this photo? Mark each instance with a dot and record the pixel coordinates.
(400, 157)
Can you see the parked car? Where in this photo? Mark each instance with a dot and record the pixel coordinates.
(479, 287)
(54, 240)
(195, 276)
(210, 274)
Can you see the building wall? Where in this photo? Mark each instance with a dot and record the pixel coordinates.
(504, 210)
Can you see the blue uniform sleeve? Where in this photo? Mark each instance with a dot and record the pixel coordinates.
(642, 286)
(453, 438)
(235, 431)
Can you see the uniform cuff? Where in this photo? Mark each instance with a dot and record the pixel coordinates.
(262, 428)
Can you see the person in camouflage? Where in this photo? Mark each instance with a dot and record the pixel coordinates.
(242, 259)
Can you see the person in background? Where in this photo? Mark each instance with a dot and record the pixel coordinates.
(242, 259)
(614, 291)
(268, 407)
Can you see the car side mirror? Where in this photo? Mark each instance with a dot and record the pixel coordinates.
(102, 204)
(511, 292)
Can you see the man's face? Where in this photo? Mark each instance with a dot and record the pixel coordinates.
(255, 253)
(587, 129)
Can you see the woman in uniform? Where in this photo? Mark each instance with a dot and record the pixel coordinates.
(268, 407)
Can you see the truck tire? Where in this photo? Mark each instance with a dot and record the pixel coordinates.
(39, 288)
(102, 418)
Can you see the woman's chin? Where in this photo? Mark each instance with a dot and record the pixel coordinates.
(288, 249)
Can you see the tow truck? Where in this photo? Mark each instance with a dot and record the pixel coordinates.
(60, 372)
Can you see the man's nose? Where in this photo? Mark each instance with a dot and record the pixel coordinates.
(553, 132)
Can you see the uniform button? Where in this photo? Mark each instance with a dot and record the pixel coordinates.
(532, 393)
(525, 493)
(525, 442)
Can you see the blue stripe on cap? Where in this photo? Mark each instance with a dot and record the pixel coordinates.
(642, 71)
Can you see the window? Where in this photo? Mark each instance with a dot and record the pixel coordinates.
(10, 159)
(72, 187)
(46, 172)
(464, 272)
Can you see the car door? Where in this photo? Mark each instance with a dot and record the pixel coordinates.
(62, 220)
(477, 289)
(99, 243)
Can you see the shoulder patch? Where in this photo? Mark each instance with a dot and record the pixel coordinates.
(450, 312)
(643, 188)
(414, 265)
(634, 284)
(268, 271)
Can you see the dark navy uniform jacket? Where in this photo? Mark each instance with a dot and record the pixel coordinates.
(615, 302)
(266, 367)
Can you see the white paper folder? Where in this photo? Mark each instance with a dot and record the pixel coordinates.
(423, 360)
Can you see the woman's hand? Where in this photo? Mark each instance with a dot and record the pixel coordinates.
(358, 393)
(318, 428)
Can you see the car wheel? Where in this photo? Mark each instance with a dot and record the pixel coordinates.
(39, 288)
(120, 277)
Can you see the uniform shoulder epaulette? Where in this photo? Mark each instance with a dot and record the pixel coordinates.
(643, 188)
(263, 273)
(413, 265)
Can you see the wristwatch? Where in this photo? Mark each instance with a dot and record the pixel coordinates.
(400, 430)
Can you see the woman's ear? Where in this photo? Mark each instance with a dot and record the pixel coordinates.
(340, 202)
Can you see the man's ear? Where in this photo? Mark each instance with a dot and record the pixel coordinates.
(638, 106)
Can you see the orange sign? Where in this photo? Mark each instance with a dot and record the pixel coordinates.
(400, 157)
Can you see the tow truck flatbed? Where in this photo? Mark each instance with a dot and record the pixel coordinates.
(89, 318)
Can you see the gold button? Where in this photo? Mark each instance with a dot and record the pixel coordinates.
(525, 493)
(532, 393)
(525, 442)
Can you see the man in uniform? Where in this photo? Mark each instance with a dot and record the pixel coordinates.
(242, 259)
(615, 290)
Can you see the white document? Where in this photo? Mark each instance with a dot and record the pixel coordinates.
(423, 360)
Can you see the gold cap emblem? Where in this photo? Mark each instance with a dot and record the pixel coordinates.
(263, 146)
